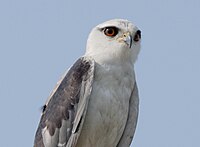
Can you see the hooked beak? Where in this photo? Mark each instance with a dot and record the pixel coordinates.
(126, 38)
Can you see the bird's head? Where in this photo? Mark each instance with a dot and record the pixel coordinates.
(115, 40)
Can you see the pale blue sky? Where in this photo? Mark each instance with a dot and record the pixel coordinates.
(40, 39)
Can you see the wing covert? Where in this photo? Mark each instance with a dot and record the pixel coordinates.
(64, 112)
(130, 127)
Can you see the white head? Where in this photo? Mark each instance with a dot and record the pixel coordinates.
(114, 41)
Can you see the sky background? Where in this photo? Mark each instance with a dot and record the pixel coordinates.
(40, 39)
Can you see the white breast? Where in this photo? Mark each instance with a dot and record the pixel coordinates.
(108, 107)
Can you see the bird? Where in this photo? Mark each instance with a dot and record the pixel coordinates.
(96, 103)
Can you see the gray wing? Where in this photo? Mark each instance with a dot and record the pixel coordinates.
(64, 113)
(130, 127)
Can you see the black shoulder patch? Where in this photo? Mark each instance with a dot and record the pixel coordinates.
(64, 101)
(43, 108)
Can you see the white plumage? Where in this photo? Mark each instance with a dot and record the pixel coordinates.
(104, 111)
(113, 84)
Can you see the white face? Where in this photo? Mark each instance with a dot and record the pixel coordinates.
(116, 40)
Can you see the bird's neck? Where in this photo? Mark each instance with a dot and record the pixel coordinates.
(109, 60)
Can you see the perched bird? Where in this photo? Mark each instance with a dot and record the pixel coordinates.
(95, 104)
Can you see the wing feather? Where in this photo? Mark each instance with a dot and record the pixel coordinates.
(130, 127)
(64, 112)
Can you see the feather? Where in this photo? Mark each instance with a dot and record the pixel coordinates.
(64, 112)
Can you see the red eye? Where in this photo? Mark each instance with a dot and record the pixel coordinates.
(110, 31)
(137, 36)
